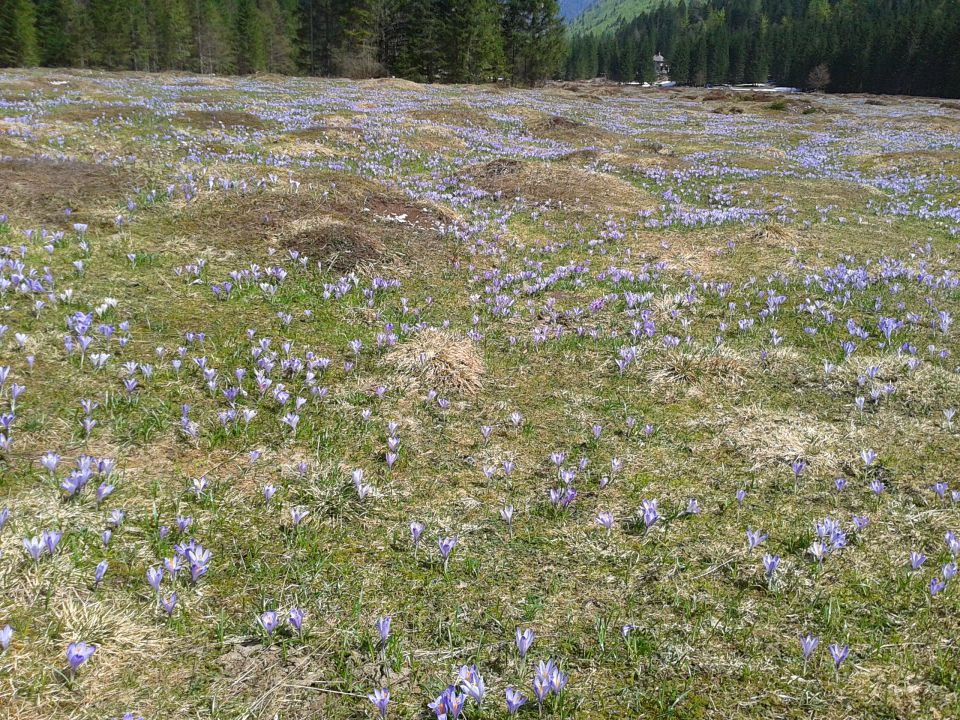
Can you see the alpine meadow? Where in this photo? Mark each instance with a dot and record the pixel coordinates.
(436, 360)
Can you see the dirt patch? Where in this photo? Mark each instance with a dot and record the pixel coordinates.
(439, 360)
(209, 119)
(560, 183)
(40, 189)
(378, 229)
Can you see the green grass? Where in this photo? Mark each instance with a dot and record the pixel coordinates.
(712, 635)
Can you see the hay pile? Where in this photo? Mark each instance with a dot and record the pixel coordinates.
(439, 360)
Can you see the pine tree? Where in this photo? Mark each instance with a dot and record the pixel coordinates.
(174, 35)
(534, 40)
(18, 33)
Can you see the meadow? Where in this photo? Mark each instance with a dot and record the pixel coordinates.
(332, 399)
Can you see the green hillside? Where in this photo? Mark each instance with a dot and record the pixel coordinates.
(604, 15)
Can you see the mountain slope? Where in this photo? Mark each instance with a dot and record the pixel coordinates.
(570, 10)
(604, 15)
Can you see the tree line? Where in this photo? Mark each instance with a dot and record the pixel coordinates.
(883, 46)
(889, 46)
(425, 40)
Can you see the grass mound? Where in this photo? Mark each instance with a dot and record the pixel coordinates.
(438, 359)
(44, 188)
(557, 183)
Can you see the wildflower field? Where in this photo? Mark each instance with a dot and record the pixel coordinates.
(330, 399)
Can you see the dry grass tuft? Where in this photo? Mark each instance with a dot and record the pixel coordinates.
(768, 439)
(342, 246)
(686, 367)
(439, 360)
(560, 183)
(390, 84)
(556, 127)
(43, 188)
(771, 235)
(208, 119)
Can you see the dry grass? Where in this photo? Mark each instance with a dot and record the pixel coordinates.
(43, 188)
(440, 360)
(768, 439)
(212, 119)
(558, 183)
(685, 367)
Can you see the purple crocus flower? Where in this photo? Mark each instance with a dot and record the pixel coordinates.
(936, 586)
(448, 705)
(808, 644)
(380, 699)
(446, 547)
(839, 653)
(103, 491)
(755, 538)
(168, 603)
(515, 700)
(416, 530)
(383, 628)
(471, 682)
(78, 653)
(99, 572)
(6, 634)
(297, 514)
(296, 618)
(51, 538)
(154, 576)
(524, 641)
(605, 519)
(268, 621)
(34, 547)
(917, 560)
(770, 563)
(650, 514)
(541, 688)
(949, 571)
